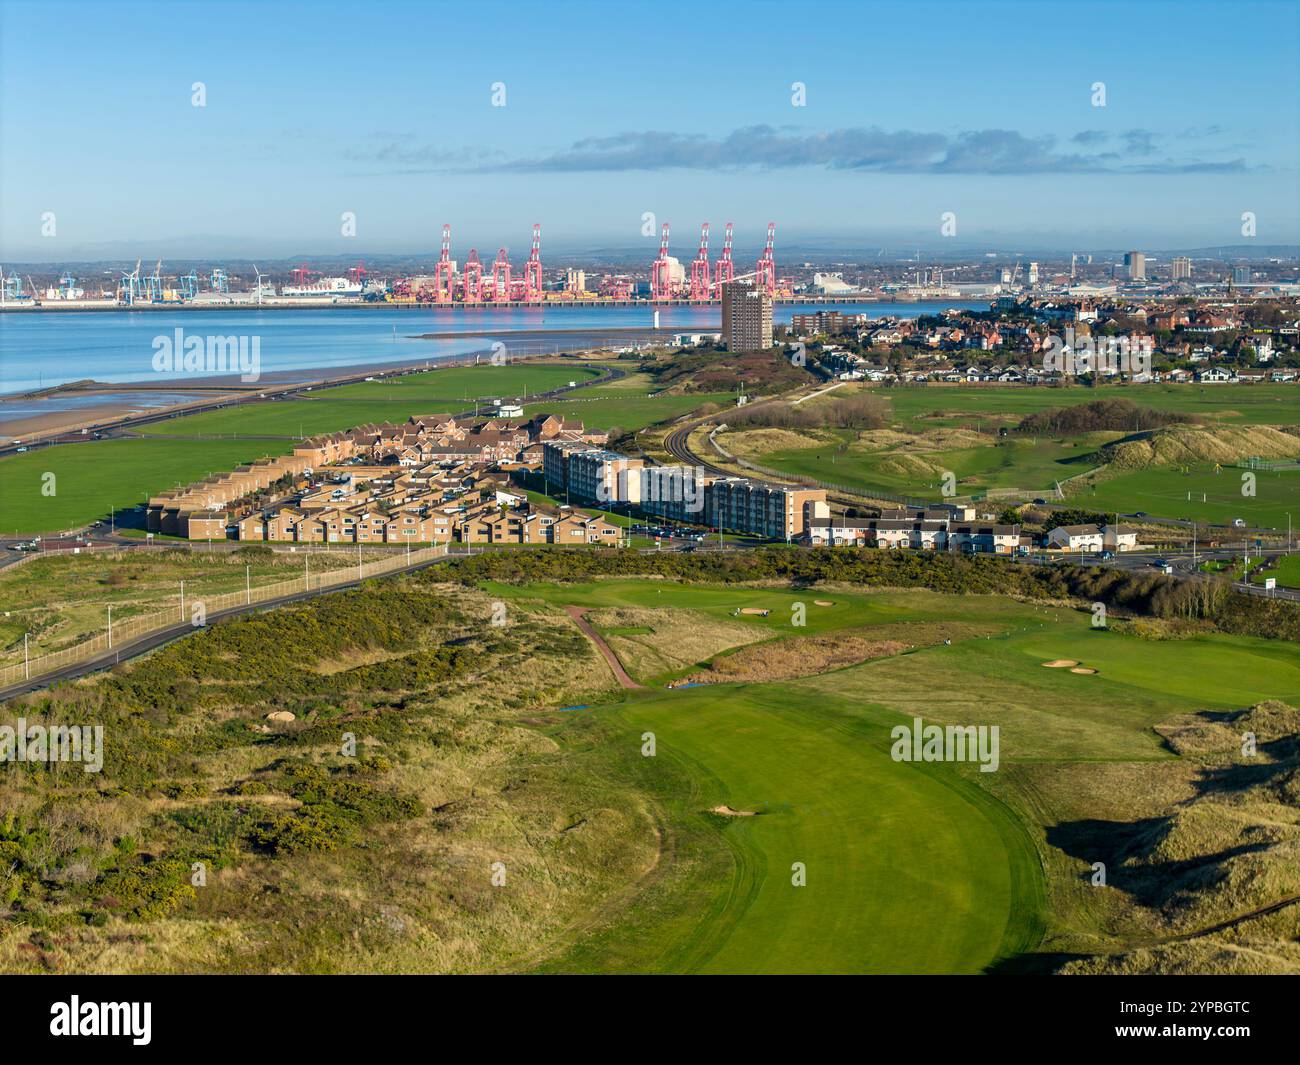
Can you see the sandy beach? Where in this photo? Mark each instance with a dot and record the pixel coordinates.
(97, 406)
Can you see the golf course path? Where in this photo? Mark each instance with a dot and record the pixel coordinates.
(576, 613)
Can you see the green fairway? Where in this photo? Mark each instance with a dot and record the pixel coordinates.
(908, 869)
(1036, 465)
(1058, 715)
(444, 391)
(1168, 492)
(1033, 465)
(911, 868)
(847, 610)
(958, 405)
(95, 479)
(624, 403)
(600, 409)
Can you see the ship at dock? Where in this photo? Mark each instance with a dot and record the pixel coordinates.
(325, 288)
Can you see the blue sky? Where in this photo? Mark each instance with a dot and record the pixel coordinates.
(386, 110)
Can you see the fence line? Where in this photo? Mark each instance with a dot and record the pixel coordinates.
(130, 629)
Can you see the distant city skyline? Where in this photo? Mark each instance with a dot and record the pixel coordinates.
(851, 126)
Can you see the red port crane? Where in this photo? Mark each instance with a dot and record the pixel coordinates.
(443, 275)
(700, 267)
(473, 280)
(302, 275)
(533, 268)
(661, 281)
(358, 273)
(501, 276)
(765, 273)
(725, 269)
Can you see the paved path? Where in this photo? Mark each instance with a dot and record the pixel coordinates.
(132, 648)
(576, 613)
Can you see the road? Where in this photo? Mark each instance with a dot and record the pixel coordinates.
(121, 430)
(132, 648)
(120, 427)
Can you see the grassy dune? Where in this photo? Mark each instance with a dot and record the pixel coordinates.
(59, 599)
(1269, 404)
(933, 435)
(615, 861)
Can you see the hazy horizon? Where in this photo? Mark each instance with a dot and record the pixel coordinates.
(149, 130)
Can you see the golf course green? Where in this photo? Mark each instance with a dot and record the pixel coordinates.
(907, 867)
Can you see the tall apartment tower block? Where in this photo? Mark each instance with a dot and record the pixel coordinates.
(746, 317)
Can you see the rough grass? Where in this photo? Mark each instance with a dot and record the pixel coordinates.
(61, 598)
(674, 639)
(613, 861)
(1218, 856)
(1223, 444)
(410, 895)
(804, 656)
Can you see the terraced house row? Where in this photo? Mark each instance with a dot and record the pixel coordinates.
(375, 483)
(945, 528)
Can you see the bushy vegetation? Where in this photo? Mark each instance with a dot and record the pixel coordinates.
(1116, 415)
(1073, 516)
(852, 412)
(168, 712)
(335, 804)
(1142, 592)
(715, 370)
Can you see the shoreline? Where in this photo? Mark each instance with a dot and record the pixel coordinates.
(548, 342)
(279, 303)
(221, 391)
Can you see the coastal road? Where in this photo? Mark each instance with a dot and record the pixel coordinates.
(133, 648)
(118, 427)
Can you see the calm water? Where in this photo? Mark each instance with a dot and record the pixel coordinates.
(40, 349)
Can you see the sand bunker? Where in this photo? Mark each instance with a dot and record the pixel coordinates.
(760, 611)
(1061, 663)
(824, 602)
(279, 715)
(1082, 669)
(727, 811)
